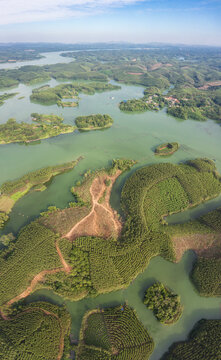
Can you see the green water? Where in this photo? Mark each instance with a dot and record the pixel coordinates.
(194, 213)
(132, 136)
(176, 276)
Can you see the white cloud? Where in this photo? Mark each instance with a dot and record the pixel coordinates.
(20, 11)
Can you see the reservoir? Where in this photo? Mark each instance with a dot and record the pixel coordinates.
(133, 136)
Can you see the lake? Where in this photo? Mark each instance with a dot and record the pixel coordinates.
(132, 136)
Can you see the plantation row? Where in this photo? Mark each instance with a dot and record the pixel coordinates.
(98, 265)
(114, 333)
(103, 266)
(204, 343)
(33, 252)
(206, 276)
(34, 332)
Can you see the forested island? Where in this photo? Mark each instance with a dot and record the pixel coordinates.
(94, 122)
(49, 96)
(44, 127)
(12, 191)
(165, 304)
(167, 149)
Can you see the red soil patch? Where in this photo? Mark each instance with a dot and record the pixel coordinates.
(40, 277)
(102, 220)
(210, 84)
(204, 245)
(133, 73)
(156, 66)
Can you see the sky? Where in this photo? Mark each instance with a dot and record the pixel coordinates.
(138, 21)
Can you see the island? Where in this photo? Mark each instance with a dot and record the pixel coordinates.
(113, 333)
(44, 127)
(203, 343)
(50, 96)
(94, 122)
(165, 304)
(167, 149)
(12, 191)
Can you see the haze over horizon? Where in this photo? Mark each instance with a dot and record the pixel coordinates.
(135, 21)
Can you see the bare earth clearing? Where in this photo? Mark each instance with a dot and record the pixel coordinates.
(205, 245)
(101, 221)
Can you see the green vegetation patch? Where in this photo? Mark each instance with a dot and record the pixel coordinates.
(203, 343)
(206, 276)
(93, 122)
(44, 126)
(167, 149)
(114, 333)
(165, 304)
(3, 218)
(34, 332)
(55, 95)
(33, 252)
(12, 191)
(148, 195)
(6, 97)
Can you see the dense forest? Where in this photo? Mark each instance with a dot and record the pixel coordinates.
(93, 122)
(113, 333)
(204, 343)
(150, 193)
(165, 304)
(37, 331)
(44, 126)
